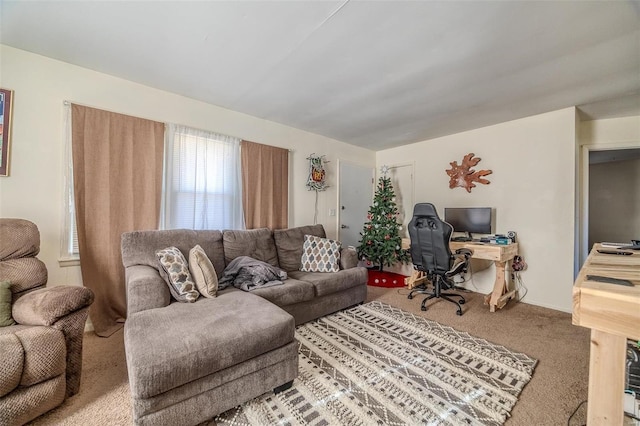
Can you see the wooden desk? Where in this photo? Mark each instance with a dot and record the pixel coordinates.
(501, 255)
(612, 312)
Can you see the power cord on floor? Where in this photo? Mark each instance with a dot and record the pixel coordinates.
(400, 291)
(470, 273)
(574, 413)
(519, 285)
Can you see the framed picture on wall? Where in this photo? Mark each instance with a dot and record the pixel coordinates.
(6, 99)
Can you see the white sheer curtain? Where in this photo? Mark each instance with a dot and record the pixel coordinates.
(203, 184)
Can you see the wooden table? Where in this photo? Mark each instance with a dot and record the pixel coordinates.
(501, 255)
(612, 312)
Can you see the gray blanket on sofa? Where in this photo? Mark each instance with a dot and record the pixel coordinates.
(247, 273)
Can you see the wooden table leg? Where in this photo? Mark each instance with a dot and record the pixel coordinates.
(499, 296)
(606, 379)
(416, 278)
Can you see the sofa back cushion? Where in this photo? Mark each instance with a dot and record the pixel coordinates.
(139, 247)
(256, 243)
(19, 244)
(18, 238)
(289, 244)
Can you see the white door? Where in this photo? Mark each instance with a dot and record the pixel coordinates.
(355, 195)
(402, 181)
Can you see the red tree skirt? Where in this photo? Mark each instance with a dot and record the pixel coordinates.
(385, 279)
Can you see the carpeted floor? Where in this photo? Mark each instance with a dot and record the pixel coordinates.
(558, 385)
(375, 364)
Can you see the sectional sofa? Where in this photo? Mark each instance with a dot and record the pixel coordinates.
(188, 362)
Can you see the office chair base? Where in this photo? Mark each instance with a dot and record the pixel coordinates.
(447, 297)
(420, 289)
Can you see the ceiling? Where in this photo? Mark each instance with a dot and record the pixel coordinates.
(374, 74)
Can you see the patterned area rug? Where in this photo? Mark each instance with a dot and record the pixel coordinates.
(376, 364)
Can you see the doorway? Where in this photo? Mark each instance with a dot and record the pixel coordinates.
(610, 209)
(355, 193)
(614, 196)
(402, 180)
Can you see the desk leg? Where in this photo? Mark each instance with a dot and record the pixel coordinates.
(416, 278)
(499, 296)
(606, 379)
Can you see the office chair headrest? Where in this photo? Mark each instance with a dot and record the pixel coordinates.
(425, 209)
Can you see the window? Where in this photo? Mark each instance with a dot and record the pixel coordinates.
(202, 180)
(202, 184)
(69, 252)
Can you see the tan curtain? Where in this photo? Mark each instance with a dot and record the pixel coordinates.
(117, 182)
(265, 185)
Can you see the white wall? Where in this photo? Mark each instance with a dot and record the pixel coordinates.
(611, 133)
(531, 189)
(34, 190)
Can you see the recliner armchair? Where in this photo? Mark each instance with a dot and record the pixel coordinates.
(430, 253)
(41, 355)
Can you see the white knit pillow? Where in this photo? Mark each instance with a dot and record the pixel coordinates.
(203, 272)
(320, 255)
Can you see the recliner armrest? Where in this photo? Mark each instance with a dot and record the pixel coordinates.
(46, 306)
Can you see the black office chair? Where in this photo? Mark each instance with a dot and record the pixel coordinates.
(430, 253)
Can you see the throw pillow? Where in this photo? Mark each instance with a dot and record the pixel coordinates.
(175, 271)
(203, 272)
(320, 255)
(5, 304)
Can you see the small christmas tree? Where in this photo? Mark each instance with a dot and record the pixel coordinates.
(381, 243)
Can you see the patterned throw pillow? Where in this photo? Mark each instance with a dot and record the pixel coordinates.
(175, 271)
(203, 272)
(320, 255)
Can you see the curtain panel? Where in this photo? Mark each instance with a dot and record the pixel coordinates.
(117, 182)
(265, 185)
(203, 187)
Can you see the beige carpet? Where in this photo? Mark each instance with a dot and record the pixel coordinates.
(558, 385)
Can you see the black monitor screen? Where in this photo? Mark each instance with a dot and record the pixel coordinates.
(469, 219)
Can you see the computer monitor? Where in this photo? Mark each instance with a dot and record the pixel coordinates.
(469, 219)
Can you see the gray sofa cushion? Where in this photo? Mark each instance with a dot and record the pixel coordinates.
(145, 289)
(290, 292)
(139, 247)
(331, 282)
(169, 347)
(289, 244)
(256, 243)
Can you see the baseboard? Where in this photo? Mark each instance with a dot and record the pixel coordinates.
(544, 305)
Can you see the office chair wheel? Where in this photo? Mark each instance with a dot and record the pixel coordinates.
(410, 296)
(461, 301)
(423, 308)
(459, 312)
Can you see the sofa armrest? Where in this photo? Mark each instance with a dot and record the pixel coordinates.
(48, 305)
(348, 258)
(146, 289)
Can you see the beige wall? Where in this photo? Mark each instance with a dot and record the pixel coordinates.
(531, 189)
(35, 188)
(612, 132)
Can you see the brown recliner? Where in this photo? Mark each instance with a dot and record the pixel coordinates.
(41, 355)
